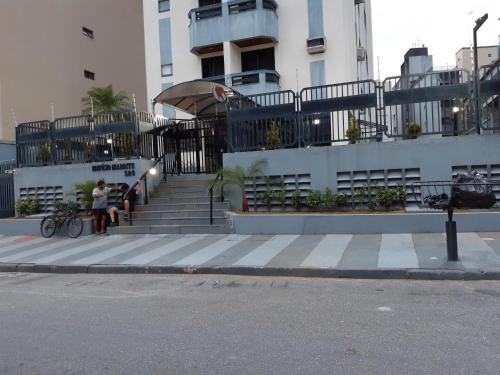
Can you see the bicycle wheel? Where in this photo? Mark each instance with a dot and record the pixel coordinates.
(74, 226)
(48, 226)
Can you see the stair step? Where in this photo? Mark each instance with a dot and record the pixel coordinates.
(150, 214)
(181, 194)
(179, 221)
(202, 206)
(180, 199)
(171, 229)
(184, 190)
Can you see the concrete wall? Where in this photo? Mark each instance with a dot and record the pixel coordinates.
(69, 175)
(434, 156)
(7, 151)
(44, 55)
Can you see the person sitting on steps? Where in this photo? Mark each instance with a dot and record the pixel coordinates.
(100, 206)
(126, 203)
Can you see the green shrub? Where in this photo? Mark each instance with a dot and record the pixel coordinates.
(342, 200)
(85, 190)
(328, 199)
(70, 206)
(297, 200)
(353, 131)
(29, 206)
(413, 130)
(267, 197)
(280, 196)
(314, 199)
(390, 197)
(361, 195)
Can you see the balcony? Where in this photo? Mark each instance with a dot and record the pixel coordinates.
(251, 83)
(244, 22)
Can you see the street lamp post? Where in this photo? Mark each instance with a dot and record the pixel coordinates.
(479, 22)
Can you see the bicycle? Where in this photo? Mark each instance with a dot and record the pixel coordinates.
(51, 223)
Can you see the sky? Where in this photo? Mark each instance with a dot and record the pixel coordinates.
(444, 26)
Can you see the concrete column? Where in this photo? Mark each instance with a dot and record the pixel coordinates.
(232, 60)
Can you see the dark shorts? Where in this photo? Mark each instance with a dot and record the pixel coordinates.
(99, 212)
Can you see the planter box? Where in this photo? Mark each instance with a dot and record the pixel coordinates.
(398, 222)
(30, 226)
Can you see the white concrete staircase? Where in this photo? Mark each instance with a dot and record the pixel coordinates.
(179, 206)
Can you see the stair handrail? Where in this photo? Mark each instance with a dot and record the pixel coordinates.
(211, 191)
(144, 177)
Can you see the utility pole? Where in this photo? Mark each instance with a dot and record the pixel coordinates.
(479, 22)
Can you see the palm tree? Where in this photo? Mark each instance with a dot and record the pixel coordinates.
(237, 177)
(103, 99)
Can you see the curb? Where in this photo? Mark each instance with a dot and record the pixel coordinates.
(369, 274)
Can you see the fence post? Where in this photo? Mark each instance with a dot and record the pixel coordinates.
(52, 144)
(298, 127)
(91, 124)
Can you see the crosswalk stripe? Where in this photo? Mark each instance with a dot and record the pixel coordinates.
(397, 251)
(329, 252)
(9, 239)
(75, 250)
(211, 251)
(121, 249)
(49, 246)
(152, 255)
(261, 255)
(473, 252)
(17, 245)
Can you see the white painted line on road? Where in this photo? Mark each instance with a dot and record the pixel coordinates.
(473, 252)
(75, 250)
(9, 239)
(397, 251)
(51, 245)
(329, 252)
(267, 251)
(152, 255)
(211, 251)
(19, 244)
(112, 252)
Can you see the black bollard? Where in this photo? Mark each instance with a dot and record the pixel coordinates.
(451, 238)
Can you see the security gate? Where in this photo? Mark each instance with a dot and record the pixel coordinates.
(194, 146)
(7, 201)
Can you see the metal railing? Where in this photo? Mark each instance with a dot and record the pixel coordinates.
(85, 139)
(219, 176)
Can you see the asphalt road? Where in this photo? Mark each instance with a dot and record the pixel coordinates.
(127, 324)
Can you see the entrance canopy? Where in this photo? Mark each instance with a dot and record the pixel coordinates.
(198, 97)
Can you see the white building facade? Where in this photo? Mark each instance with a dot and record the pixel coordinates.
(257, 46)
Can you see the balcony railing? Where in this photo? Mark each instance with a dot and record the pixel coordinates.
(250, 83)
(237, 20)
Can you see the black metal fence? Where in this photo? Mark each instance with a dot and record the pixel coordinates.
(439, 103)
(85, 139)
(7, 201)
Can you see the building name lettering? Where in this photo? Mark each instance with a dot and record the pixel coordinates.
(113, 167)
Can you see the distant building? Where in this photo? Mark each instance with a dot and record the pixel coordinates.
(257, 46)
(52, 52)
(486, 56)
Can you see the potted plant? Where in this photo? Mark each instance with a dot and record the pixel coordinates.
(328, 200)
(237, 177)
(413, 130)
(297, 200)
(353, 132)
(314, 200)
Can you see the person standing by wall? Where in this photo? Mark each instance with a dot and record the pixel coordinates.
(100, 206)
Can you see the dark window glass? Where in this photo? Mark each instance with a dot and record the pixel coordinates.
(88, 32)
(212, 66)
(163, 5)
(258, 60)
(89, 75)
(203, 3)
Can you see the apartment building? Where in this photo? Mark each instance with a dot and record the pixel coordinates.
(486, 55)
(257, 46)
(53, 51)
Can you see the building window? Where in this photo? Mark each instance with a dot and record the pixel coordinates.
(212, 67)
(89, 75)
(489, 54)
(166, 70)
(88, 33)
(258, 60)
(163, 5)
(204, 3)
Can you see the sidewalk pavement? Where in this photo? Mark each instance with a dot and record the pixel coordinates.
(401, 256)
